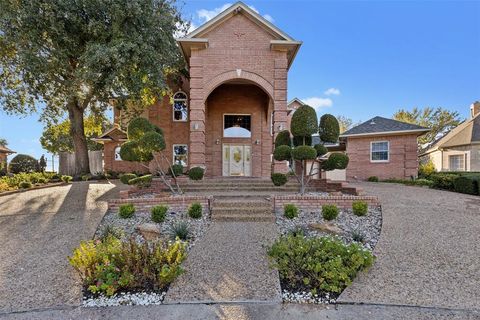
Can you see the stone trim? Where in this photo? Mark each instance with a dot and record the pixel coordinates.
(315, 202)
(175, 203)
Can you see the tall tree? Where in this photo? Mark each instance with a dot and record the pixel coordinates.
(345, 123)
(439, 120)
(74, 56)
(56, 137)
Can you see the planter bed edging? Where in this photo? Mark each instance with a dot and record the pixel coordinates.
(179, 203)
(314, 202)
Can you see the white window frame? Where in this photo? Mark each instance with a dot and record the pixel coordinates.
(237, 114)
(388, 152)
(186, 105)
(173, 153)
(462, 156)
(115, 153)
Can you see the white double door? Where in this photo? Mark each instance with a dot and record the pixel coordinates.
(237, 160)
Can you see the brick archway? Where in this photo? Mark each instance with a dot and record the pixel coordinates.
(238, 75)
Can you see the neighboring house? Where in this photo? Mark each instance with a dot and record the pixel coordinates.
(226, 115)
(458, 150)
(384, 148)
(4, 152)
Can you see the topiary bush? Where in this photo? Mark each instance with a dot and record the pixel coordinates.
(336, 161)
(321, 150)
(329, 212)
(282, 153)
(25, 185)
(126, 211)
(126, 177)
(283, 139)
(279, 179)
(290, 211)
(196, 173)
(176, 169)
(142, 182)
(23, 163)
(304, 153)
(360, 208)
(466, 184)
(302, 141)
(67, 179)
(304, 122)
(373, 179)
(158, 213)
(317, 264)
(329, 129)
(195, 210)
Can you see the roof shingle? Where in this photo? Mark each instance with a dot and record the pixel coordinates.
(382, 125)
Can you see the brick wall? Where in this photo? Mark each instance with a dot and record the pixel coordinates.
(402, 164)
(316, 202)
(175, 203)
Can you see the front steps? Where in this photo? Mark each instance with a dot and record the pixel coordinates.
(242, 209)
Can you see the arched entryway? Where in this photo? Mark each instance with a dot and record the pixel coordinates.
(238, 130)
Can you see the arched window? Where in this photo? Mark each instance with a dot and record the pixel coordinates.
(117, 154)
(180, 106)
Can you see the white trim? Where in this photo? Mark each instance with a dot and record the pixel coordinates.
(388, 151)
(236, 114)
(386, 133)
(115, 153)
(186, 104)
(173, 152)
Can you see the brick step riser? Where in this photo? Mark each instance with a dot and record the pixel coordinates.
(244, 205)
(250, 183)
(244, 219)
(228, 212)
(236, 188)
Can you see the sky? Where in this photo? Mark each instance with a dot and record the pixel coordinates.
(358, 59)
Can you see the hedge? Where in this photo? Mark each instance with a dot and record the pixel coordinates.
(466, 184)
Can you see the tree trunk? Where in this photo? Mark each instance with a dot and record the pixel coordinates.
(75, 114)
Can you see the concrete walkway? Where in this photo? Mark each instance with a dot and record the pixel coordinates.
(428, 253)
(38, 230)
(229, 264)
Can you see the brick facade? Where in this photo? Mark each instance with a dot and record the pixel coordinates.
(402, 163)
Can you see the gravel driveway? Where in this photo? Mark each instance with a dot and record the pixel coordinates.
(428, 252)
(39, 229)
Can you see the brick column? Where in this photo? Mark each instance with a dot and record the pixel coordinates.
(197, 113)
(280, 106)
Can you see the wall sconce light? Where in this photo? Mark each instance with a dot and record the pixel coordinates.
(195, 126)
(280, 127)
(257, 141)
(217, 141)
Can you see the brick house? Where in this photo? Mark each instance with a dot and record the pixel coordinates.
(226, 115)
(4, 152)
(384, 148)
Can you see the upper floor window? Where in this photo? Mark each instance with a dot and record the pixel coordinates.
(180, 106)
(237, 126)
(117, 154)
(456, 162)
(379, 151)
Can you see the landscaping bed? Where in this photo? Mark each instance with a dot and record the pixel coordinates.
(321, 250)
(157, 234)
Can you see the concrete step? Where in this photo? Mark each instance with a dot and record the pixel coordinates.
(241, 211)
(238, 188)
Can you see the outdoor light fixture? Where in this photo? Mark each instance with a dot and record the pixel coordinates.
(257, 141)
(217, 141)
(195, 126)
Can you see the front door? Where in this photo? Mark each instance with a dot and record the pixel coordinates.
(236, 160)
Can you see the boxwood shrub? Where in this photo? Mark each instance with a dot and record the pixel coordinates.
(443, 180)
(25, 185)
(195, 210)
(126, 211)
(466, 184)
(196, 173)
(279, 179)
(373, 179)
(329, 212)
(158, 213)
(176, 169)
(290, 211)
(360, 208)
(126, 177)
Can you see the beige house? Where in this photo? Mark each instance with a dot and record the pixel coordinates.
(459, 150)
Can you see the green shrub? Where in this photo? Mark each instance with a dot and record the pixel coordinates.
(304, 122)
(425, 170)
(176, 169)
(336, 161)
(159, 213)
(23, 163)
(466, 184)
(25, 185)
(304, 153)
(67, 179)
(329, 212)
(195, 210)
(179, 230)
(373, 179)
(109, 265)
(279, 179)
(126, 177)
(290, 211)
(302, 141)
(329, 128)
(360, 208)
(321, 150)
(282, 153)
(126, 211)
(423, 182)
(443, 180)
(196, 173)
(86, 177)
(42, 180)
(142, 182)
(283, 139)
(318, 264)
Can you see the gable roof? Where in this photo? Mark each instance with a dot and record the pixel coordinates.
(383, 126)
(465, 133)
(114, 134)
(4, 149)
(195, 39)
